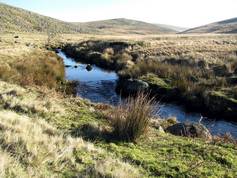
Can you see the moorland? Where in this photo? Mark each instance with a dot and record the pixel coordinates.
(45, 131)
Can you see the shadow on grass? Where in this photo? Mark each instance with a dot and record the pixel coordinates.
(93, 132)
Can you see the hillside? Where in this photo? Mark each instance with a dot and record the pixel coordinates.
(175, 28)
(14, 19)
(125, 26)
(226, 26)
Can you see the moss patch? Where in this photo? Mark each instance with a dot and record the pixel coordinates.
(153, 79)
(170, 156)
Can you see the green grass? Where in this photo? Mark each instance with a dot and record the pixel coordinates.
(170, 156)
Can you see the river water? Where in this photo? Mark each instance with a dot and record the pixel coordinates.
(98, 85)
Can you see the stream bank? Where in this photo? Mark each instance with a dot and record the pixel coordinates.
(99, 85)
(194, 84)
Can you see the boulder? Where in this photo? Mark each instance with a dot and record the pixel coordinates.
(132, 86)
(88, 67)
(189, 130)
(221, 104)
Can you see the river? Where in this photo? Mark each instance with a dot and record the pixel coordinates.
(98, 85)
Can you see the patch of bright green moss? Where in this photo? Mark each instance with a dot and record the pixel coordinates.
(155, 80)
(170, 156)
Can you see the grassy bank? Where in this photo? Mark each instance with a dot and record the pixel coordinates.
(44, 133)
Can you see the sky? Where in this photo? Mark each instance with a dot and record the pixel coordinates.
(183, 13)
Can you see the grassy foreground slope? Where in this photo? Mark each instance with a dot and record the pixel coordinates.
(44, 133)
(32, 146)
(37, 138)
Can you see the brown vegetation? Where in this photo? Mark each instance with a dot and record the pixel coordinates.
(36, 68)
(130, 119)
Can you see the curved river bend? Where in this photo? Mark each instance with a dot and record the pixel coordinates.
(99, 85)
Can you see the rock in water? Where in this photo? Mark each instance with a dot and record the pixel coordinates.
(189, 130)
(88, 67)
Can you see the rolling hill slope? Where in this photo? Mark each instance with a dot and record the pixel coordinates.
(14, 19)
(226, 26)
(125, 26)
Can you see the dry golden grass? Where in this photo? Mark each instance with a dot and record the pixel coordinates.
(212, 48)
(43, 151)
(26, 64)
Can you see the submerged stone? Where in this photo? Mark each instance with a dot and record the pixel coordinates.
(88, 67)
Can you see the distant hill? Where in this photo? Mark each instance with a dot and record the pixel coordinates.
(175, 28)
(226, 26)
(14, 19)
(125, 26)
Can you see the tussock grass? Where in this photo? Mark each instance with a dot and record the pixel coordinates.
(130, 119)
(37, 68)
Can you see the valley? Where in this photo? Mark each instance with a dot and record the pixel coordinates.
(116, 98)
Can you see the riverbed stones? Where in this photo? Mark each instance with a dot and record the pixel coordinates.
(189, 130)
